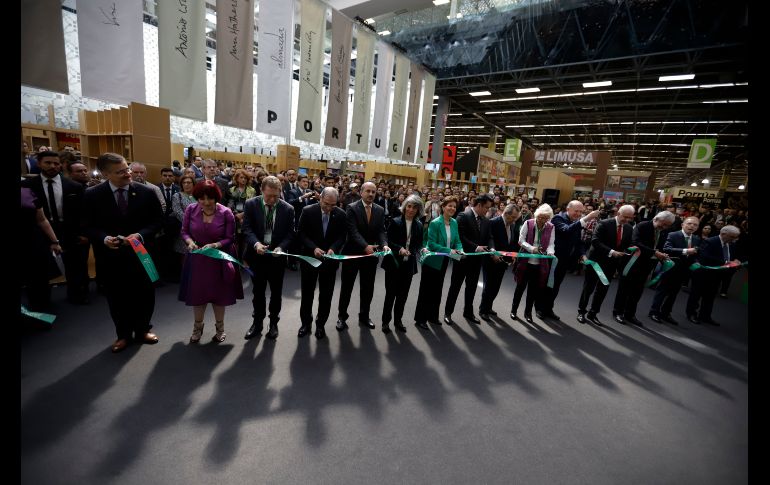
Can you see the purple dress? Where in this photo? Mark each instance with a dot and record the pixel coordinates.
(207, 280)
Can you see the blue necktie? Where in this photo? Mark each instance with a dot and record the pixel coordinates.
(325, 221)
(726, 252)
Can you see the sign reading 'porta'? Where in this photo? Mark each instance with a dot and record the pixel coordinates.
(566, 156)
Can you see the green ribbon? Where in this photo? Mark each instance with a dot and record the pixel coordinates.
(665, 265)
(634, 252)
(510, 254)
(44, 317)
(345, 257)
(308, 259)
(729, 265)
(215, 253)
(144, 258)
(598, 270)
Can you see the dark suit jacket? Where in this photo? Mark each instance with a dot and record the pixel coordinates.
(397, 240)
(710, 252)
(498, 238)
(604, 239)
(253, 227)
(289, 194)
(300, 204)
(311, 232)
(361, 233)
(568, 245)
(174, 189)
(644, 238)
(675, 243)
(72, 199)
(470, 235)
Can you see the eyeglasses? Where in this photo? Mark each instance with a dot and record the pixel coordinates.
(122, 171)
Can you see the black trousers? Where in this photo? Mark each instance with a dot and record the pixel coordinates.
(630, 289)
(326, 276)
(531, 280)
(493, 278)
(267, 269)
(397, 284)
(429, 296)
(467, 271)
(668, 288)
(75, 258)
(350, 269)
(548, 295)
(705, 284)
(591, 284)
(130, 296)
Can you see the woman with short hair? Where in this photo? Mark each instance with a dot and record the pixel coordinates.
(536, 237)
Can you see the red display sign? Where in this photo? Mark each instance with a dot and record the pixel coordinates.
(448, 162)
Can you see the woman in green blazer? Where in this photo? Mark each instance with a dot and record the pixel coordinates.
(434, 267)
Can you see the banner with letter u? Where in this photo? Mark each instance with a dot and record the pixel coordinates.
(274, 67)
(339, 81)
(311, 86)
(362, 100)
(378, 142)
(235, 64)
(427, 112)
(399, 107)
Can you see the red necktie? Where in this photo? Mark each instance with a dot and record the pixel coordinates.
(620, 236)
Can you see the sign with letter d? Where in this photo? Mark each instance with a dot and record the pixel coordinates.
(701, 153)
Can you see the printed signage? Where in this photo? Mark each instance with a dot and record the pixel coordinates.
(693, 192)
(568, 156)
(701, 153)
(512, 150)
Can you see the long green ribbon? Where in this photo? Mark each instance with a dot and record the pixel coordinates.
(665, 265)
(729, 265)
(345, 257)
(144, 258)
(44, 317)
(308, 259)
(511, 254)
(598, 270)
(215, 253)
(634, 252)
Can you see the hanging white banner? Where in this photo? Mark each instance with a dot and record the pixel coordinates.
(399, 107)
(378, 142)
(425, 121)
(362, 100)
(182, 56)
(413, 113)
(311, 86)
(339, 81)
(111, 50)
(43, 59)
(274, 67)
(235, 64)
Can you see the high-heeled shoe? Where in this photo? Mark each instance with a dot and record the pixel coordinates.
(197, 332)
(220, 335)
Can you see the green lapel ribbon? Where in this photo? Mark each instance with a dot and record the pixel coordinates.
(44, 317)
(144, 258)
(598, 270)
(634, 252)
(730, 265)
(665, 265)
(308, 259)
(215, 253)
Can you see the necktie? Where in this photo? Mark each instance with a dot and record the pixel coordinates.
(269, 221)
(510, 234)
(168, 197)
(689, 242)
(325, 222)
(478, 222)
(726, 252)
(657, 236)
(368, 213)
(122, 202)
(620, 237)
(52, 202)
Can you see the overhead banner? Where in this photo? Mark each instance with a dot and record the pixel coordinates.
(413, 114)
(566, 156)
(399, 107)
(362, 100)
(377, 144)
(235, 64)
(182, 56)
(512, 150)
(427, 112)
(701, 153)
(339, 81)
(311, 86)
(274, 67)
(111, 50)
(43, 60)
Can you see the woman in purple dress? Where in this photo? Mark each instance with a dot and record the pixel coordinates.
(209, 224)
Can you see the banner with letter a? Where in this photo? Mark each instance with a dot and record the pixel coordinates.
(111, 50)
(311, 86)
(426, 117)
(399, 107)
(182, 55)
(362, 100)
(274, 67)
(235, 64)
(339, 81)
(378, 142)
(413, 113)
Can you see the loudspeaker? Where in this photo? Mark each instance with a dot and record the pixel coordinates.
(551, 197)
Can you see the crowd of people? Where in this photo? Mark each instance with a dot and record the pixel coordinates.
(252, 218)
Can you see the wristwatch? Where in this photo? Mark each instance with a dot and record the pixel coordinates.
(55, 242)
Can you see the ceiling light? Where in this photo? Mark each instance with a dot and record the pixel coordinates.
(440, 2)
(741, 187)
(680, 77)
(597, 84)
(435, 97)
(527, 90)
(704, 181)
(384, 32)
(459, 15)
(480, 93)
(694, 184)
(369, 21)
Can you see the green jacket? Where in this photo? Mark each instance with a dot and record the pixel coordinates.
(436, 241)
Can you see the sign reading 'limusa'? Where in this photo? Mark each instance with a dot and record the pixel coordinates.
(570, 156)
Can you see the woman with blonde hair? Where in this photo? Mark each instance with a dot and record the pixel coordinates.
(536, 237)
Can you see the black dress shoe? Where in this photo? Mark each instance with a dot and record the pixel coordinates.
(422, 325)
(552, 316)
(448, 320)
(591, 317)
(528, 318)
(634, 321)
(472, 318)
(655, 318)
(670, 320)
(255, 330)
(272, 331)
(367, 323)
(399, 326)
(385, 328)
(485, 316)
(619, 318)
(709, 321)
(540, 315)
(435, 322)
(320, 333)
(693, 319)
(303, 330)
(492, 312)
(341, 325)
(514, 316)
(581, 317)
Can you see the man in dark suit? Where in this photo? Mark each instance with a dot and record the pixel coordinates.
(113, 213)
(568, 231)
(303, 197)
(167, 187)
(474, 234)
(503, 236)
(322, 230)
(168, 262)
(290, 188)
(366, 234)
(681, 247)
(62, 199)
(649, 237)
(714, 251)
(268, 224)
(608, 248)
